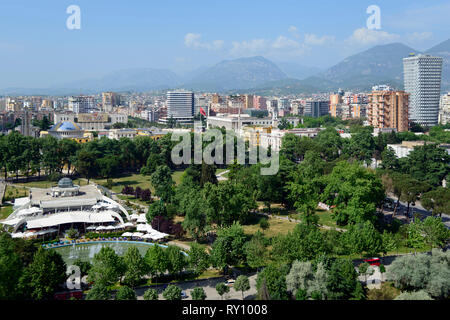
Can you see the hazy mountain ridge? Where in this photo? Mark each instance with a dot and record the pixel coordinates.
(378, 65)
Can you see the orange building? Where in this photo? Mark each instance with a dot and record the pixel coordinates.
(389, 109)
(335, 100)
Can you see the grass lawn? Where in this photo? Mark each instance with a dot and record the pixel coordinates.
(276, 227)
(135, 180)
(325, 219)
(5, 211)
(13, 192)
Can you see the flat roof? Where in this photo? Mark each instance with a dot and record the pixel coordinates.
(70, 217)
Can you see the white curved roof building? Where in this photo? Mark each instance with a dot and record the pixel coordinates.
(63, 207)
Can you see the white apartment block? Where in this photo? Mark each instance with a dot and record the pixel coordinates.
(422, 80)
(444, 109)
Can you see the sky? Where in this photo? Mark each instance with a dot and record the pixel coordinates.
(37, 50)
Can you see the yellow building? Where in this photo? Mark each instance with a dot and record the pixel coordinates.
(252, 134)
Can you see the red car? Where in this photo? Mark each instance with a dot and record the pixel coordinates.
(373, 261)
(69, 294)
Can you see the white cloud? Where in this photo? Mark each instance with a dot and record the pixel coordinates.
(294, 31)
(419, 36)
(255, 46)
(193, 40)
(312, 39)
(364, 36)
(284, 43)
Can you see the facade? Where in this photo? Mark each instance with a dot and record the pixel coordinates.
(444, 109)
(422, 80)
(82, 104)
(65, 130)
(274, 138)
(316, 108)
(389, 109)
(180, 106)
(92, 121)
(404, 149)
(110, 100)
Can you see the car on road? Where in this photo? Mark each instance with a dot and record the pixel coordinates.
(183, 295)
(373, 261)
(229, 282)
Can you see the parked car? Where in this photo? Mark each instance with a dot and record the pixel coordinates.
(183, 295)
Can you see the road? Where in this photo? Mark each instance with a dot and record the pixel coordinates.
(417, 208)
(210, 289)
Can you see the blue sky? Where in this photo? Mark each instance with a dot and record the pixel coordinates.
(37, 50)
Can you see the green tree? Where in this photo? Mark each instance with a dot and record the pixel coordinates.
(256, 252)
(176, 259)
(87, 164)
(157, 208)
(125, 293)
(436, 233)
(228, 248)
(198, 294)
(151, 294)
(198, 258)
(135, 267)
(172, 292)
(342, 280)
(156, 260)
(162, 181)
(107, 267)
(10, 268)
(98, 292)
(242, 284)
(222, 288)
(45, 274)
(418, 295)
(273, 279)
(437, 201)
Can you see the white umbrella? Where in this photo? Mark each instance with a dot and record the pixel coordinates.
(142, 218)
(119, 226)
(128, 224)
(29, 234)
(109, 228)
(127, 234)
(137, 234)
(134, 216)
(91, 228)
(17, 235)
(141, 227)
(100, 228)
(147, 236)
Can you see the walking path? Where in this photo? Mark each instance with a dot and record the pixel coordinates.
(2, 190)
(220, 176)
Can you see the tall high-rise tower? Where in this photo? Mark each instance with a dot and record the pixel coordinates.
(422, 79)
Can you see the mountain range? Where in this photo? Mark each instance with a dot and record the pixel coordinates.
(378, 65)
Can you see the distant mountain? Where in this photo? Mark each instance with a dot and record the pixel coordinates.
(298, 71)
(380, 64)
(243, 73)
(443, 50)
(280, 87)
(131, 79)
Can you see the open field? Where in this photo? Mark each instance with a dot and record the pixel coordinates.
(13, 192)
(5, 211)
(277, 226)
